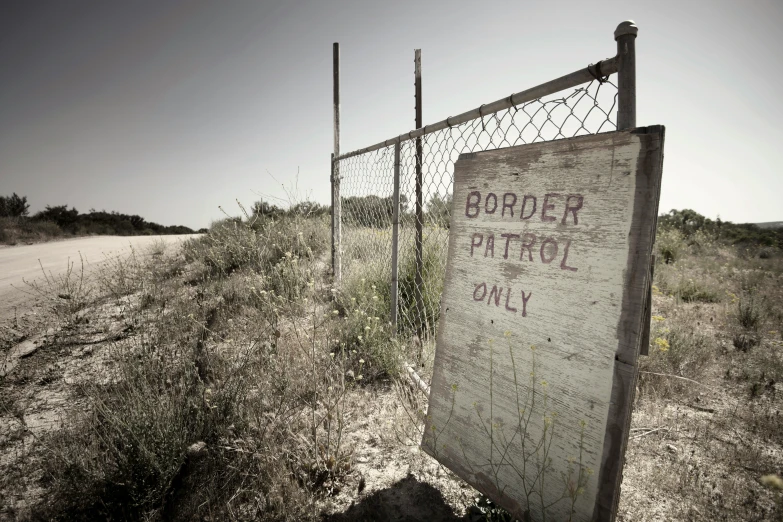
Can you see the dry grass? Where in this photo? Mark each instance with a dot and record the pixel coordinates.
(231, 381)
(707, 420)
(225, 370)
(14, 231)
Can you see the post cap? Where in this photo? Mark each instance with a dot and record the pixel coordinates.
(627, 27)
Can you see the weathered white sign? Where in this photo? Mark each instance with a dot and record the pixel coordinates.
(541, 319)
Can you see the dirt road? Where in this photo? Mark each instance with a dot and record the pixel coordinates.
(20, 263)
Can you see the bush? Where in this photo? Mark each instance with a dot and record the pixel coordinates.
(366, 338)
(421, 317)
(371, 211)
(414, 317)
(691, 290)
(228, 246)
(438, 211)
(59, 214)
(13, 206)
(749, 311)
(669, 244)
(16, 230)
(270, 246)
(127, 459)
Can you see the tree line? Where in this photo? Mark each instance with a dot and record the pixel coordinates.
(378, 212)
(70, 221)
(689, 222)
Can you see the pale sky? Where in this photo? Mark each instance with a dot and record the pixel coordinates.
(169, 109)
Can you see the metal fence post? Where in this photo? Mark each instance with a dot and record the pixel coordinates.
(419, 203)
(395, 235)
(336, 206)
(331, 208)
(625, 35)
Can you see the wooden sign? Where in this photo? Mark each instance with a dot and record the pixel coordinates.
(541, 320)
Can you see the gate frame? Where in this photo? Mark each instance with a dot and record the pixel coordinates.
(623, 64)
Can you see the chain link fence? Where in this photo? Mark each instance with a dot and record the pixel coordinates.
(367, 194)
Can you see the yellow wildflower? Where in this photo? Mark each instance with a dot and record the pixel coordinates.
(662, 344)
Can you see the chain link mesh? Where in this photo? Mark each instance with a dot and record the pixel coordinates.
(367, 192)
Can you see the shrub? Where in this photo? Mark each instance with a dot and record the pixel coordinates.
(438, 211)
(258, 243)
(65, 294)
(227, 246)
(692, 290)
(744, 341)
(126, 459)
(414, 317)
(65, 219)
(365, 336)
(288, 277)
(669, 244)
(421, 316)
(371, 211)
(14, 230)
(14, 206)
(46, 229)
(748, 311)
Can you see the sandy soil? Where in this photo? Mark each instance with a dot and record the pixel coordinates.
(21, 263)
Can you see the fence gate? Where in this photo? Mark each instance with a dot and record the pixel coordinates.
(391, 214)
(378, 234)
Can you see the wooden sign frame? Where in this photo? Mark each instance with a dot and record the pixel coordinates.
(542, 317)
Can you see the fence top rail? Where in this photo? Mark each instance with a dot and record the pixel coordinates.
(592, 72)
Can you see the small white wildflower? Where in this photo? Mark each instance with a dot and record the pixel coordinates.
(361, 361)
(360, 377)
(336, 312)
(367, 328)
